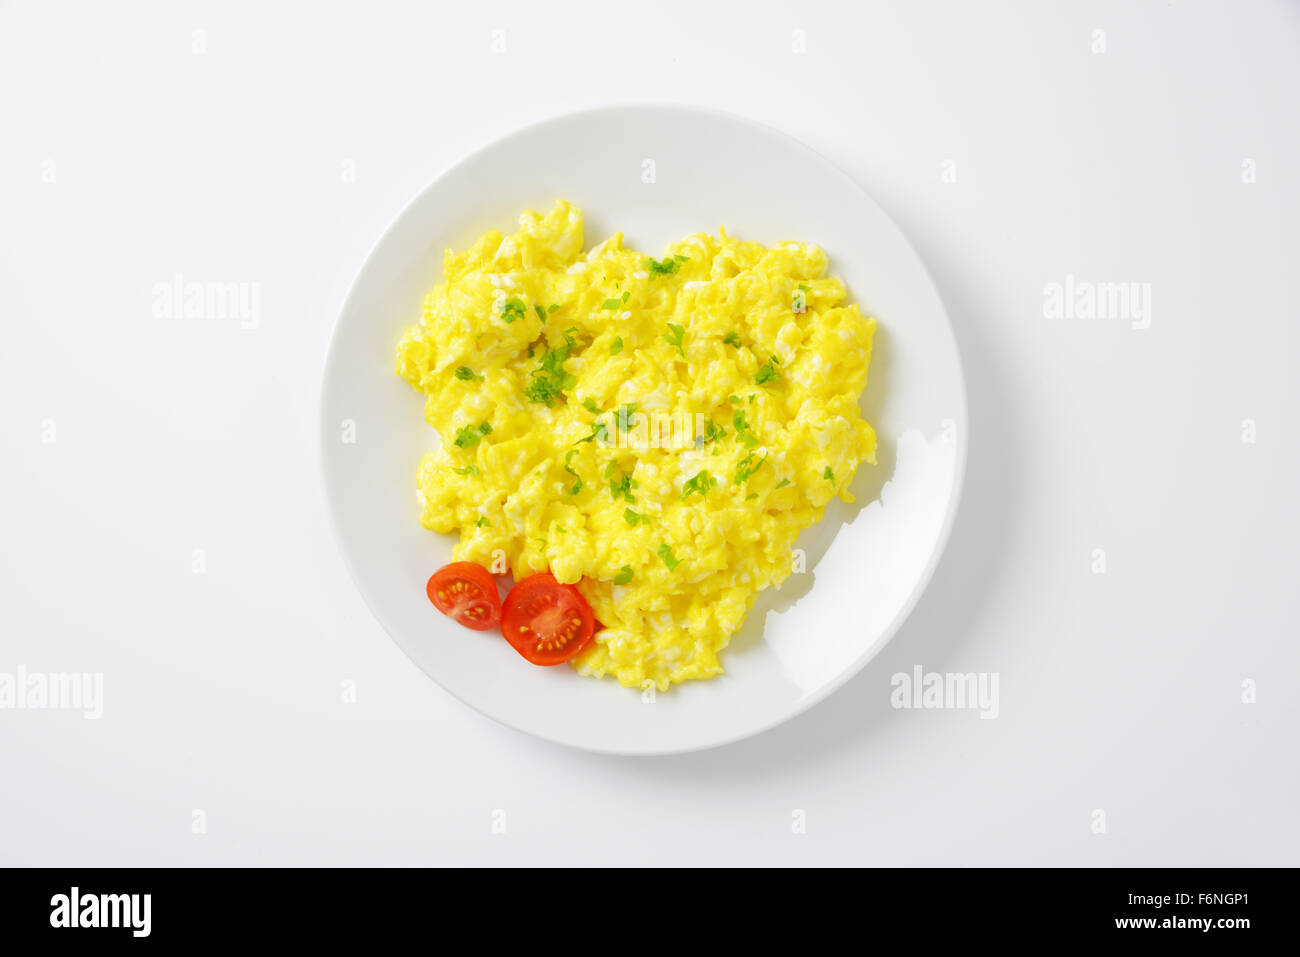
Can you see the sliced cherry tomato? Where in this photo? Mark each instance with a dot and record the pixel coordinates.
(466, 592)
(546, 622)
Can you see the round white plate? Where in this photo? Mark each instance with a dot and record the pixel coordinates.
(657, 173)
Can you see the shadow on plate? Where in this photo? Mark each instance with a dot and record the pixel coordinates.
(868, 483)
(968, 574)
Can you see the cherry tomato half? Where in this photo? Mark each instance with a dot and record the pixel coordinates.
(546, 622)
(466, 592)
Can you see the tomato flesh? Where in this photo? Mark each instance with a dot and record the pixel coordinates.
(547, 622)
(466, 592)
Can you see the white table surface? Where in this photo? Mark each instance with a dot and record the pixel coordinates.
(130, 158)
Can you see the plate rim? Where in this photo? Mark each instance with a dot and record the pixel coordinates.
(808, 701)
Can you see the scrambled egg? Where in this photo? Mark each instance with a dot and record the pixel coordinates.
(657, 431)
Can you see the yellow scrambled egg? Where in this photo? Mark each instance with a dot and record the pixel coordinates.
(657, 431)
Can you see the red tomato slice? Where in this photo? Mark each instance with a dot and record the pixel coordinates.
(466, 592)
(546, 622)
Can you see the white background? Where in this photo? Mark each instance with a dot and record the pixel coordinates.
(1119, 691)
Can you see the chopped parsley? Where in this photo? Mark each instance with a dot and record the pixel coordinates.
(466, 374)
(483, 522)
(615, 303)
(734, 399)
(548, 381)
(664, 267)
(783, 483)
(622, 488)
(624, 575)
(633, 519)
(542, 390)
(513, 309)
(768, 372)
(590, 405)
(541, 313)
(553, 307)
(828, 475)
(712, 432)
(701, 483)
(577, 481)
(674, 338)
(468, 437)
(665, 554)
(598, 431)
(747, 467)
(616, 346)
(732, 339)
(467, 470)
(624, 416)
(741, 424)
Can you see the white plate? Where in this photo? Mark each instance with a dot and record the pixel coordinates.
(867, 563)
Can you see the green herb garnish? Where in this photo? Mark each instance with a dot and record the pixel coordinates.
(701, 482)
(622, 488)
(665, 267)
(666, 556)
(743, 435)
(616, 346)
(466, 374)
(547, 382)
(674, 338)
(828, 475)
(577, 483)
(513, 309)
(467, 437)
(747, 467)
(633, 519)
(732, 339)
(624, 575)
(598, 431)
(768, 372)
